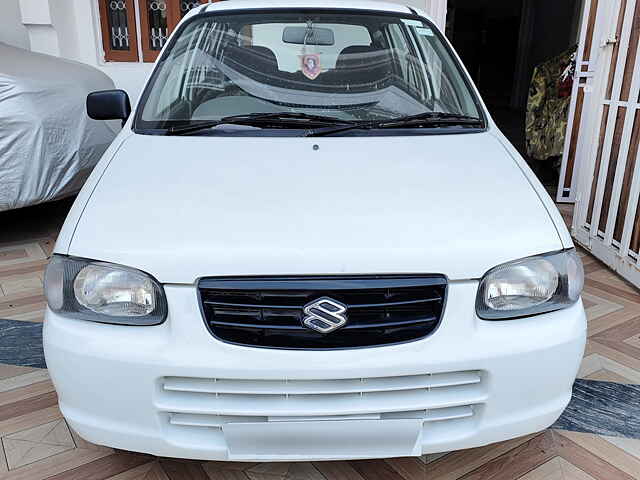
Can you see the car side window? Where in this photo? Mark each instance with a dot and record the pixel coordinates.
(404, 51)
(191, 71)
(445, 83)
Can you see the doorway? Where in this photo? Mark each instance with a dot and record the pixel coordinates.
(501, 42)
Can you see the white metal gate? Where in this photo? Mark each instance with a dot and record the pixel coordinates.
(587, 58)
(601, 166)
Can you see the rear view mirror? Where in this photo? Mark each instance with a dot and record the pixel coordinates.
(313, 36)
(109, 105)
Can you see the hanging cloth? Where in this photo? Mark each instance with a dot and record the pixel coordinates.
(548, 106)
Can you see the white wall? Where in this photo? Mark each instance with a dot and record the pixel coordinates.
(36, 17)
(71, 29)
(11, 29)
(437, 9)
(412, 3)
(82, 42)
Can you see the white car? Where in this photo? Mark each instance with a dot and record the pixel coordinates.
(310, 241)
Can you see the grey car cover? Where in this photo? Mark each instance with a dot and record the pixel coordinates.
(48, 145)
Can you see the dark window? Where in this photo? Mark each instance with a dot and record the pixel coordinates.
(158, 18)
(119, 37)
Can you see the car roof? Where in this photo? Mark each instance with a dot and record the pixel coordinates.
(230, 5)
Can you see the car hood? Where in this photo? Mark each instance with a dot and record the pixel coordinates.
(181, 208)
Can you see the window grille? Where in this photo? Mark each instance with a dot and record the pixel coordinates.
(157, 19)
(119, 35)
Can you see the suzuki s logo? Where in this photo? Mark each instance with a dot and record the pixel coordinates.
(324, 315)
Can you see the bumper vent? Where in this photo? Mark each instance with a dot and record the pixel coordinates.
(202, 402)
(268, 312)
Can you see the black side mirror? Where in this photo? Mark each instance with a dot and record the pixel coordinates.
(109, 105)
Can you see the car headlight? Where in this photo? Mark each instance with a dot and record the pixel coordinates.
(103, 292)
(533, 285)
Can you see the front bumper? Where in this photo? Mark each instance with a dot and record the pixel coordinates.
(173, 390)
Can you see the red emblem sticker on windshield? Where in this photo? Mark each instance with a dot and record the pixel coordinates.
(311, 66)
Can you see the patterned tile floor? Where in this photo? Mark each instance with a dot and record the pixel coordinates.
(36, 443)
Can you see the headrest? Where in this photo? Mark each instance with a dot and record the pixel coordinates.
(357, 49)
(361, 56)
(264, 52)
(256, 58)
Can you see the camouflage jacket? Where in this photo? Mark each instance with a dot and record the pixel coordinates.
(548, 106)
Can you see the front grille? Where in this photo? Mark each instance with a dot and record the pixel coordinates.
(268, 312)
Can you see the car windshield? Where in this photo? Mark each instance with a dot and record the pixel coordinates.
(308, 68)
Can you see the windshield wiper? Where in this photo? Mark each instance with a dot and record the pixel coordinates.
(278, 119)
(430, 119)
(426, 119)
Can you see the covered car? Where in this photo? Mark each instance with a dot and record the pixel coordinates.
(48, 144)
